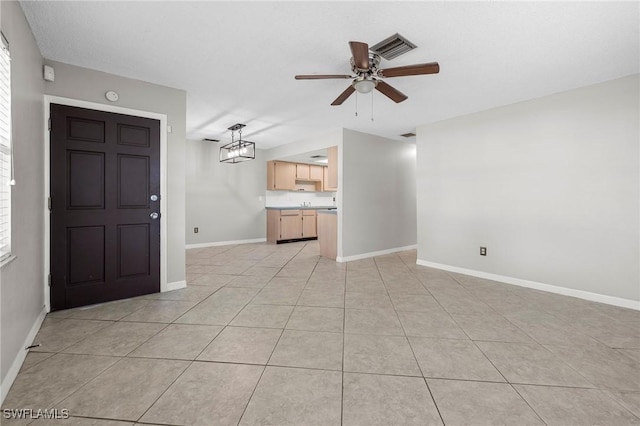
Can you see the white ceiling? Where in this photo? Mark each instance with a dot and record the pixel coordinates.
(236, 60)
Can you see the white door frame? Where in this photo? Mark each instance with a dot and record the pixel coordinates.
(48, 100)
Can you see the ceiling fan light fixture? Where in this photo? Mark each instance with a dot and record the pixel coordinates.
(364, 86)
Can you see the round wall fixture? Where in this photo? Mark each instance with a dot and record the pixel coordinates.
(111, 96)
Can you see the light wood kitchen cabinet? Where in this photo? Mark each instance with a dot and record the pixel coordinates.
(309, 224)
(332, 168)
(291, 225)
(325, 181)
(328, 235)
(315, 173)
(302, 171)
(281, 175)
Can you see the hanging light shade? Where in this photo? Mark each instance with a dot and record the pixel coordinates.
(238, 150)
(364, 86)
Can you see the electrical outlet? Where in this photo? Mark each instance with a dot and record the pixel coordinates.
(483, 251)
(195, 230)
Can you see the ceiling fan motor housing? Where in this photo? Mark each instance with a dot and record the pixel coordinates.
(374, 63)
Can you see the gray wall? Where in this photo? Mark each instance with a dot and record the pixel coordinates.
(21, 281)
(550, 186)
(90, 85)
(378, 193)
(225, 201)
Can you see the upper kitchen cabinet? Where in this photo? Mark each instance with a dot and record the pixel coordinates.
(315, 173)
(331, 171)
(281, 175)
(305, 172)
(302, 171)
(308, 172)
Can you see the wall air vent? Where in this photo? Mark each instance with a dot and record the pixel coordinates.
(393, 47)
(408, 135)
(318, 156)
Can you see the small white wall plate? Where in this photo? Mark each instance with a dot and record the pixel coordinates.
(49, 74)
(111, 96)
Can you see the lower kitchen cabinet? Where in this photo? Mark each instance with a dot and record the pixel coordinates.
(286, 225)
(290, 225)
(309, 224)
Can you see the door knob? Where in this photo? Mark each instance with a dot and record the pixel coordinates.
(154, 215)
(154, 197)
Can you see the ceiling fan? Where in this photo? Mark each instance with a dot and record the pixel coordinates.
(368, 75)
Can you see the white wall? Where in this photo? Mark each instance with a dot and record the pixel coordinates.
(294, 199)
(550, 186)
(324, 140)
(91, 85)
(21, 285)
(378, 194)
(225, 201)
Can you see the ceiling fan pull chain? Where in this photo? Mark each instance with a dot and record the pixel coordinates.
(372, 106)
(356, 104)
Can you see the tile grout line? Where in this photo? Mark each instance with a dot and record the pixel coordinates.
(344, 334)
(527, 402)
(194, 360)
(274, 346)
(415, 358)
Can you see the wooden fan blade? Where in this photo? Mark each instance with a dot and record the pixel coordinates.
(343, 96)
(321, 76)
(360, 53)
(394, 94)
(417, 69)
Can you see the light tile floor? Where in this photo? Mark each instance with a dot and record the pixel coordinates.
(274, 334)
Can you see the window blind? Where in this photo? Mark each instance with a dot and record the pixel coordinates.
(6, 178)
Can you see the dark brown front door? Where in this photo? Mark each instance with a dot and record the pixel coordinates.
(105, 187)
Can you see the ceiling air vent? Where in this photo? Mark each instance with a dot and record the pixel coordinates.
(393, 47)
(210, 140)
(408, 135)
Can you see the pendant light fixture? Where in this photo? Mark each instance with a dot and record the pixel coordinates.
(238, 150)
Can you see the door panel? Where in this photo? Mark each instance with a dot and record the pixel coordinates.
(85, 180)
(85, 251)
(133, 182)
(133, 135)
(133, 250)
(104, 169)
(85, 130)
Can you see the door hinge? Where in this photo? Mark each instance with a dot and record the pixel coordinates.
(49, 124)
(49, 203)
(49, 280)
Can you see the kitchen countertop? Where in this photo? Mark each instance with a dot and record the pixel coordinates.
(301, 208)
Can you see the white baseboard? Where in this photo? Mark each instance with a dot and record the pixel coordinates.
(225, 243)
(20, 356)
(176, 285)
(374, 253)
(586, 295)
